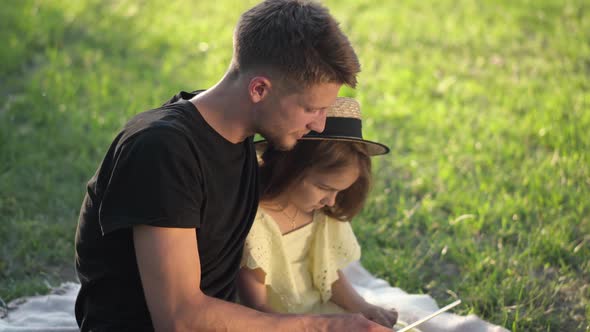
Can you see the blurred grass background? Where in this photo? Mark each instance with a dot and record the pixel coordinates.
(486, 105)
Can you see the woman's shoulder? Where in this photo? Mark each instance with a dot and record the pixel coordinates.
(322, 217)
(262, 215)
(263, 222)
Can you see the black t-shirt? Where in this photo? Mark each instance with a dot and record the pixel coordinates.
(167, 168)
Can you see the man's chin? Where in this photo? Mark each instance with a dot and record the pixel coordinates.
(283, 145)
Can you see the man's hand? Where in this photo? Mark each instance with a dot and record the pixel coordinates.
(385, 317)
(355, 322)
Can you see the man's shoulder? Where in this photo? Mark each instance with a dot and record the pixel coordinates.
(182, 95)
(173, 121)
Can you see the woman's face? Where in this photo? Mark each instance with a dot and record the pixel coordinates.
(319, 189)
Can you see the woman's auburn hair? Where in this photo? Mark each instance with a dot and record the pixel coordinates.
(280, 170)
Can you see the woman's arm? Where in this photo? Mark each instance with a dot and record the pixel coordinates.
(252, 289)
(344, 295)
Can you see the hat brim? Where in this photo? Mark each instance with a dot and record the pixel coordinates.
(373, 148)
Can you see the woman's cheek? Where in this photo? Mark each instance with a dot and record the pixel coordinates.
(317, 196)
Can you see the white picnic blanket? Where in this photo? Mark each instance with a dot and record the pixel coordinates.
(412, 307)
(55, 312)
(48, 313)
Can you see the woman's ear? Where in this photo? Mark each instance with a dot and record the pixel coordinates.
(259, 88)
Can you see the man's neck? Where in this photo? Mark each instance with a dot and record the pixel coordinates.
(225, 107)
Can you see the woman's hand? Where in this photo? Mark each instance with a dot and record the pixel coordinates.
(385, 317)
(344, 295)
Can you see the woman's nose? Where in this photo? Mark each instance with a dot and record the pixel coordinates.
(330, 199)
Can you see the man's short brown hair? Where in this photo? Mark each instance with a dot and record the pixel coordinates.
(296, 39)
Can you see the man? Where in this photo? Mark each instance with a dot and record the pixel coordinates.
(162, 225)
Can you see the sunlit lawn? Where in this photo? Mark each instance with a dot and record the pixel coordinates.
(485, 196)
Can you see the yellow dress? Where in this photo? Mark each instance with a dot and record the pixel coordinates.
(301, 266)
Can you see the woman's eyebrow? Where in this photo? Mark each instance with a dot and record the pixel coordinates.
(328, 187)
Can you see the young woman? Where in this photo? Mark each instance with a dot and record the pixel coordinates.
(301, 237)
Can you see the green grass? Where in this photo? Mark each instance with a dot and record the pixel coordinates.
(486, 105)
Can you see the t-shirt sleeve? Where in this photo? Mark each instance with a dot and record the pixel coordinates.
(155, 181)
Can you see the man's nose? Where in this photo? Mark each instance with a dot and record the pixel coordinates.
(319, 123)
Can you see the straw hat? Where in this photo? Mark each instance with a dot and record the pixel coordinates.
(343, 123)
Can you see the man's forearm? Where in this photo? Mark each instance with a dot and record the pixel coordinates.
(211, 314)
(169, 266)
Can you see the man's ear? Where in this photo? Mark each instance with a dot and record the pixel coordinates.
(259, 88)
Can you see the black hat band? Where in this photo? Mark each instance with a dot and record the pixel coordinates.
(340, 127)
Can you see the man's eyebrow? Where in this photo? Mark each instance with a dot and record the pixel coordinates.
(317, 107)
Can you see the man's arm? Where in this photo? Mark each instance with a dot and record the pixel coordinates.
(170, 270)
